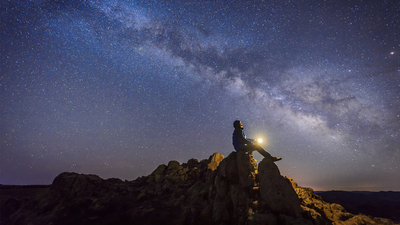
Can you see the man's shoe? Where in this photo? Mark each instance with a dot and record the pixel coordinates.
(276, 159)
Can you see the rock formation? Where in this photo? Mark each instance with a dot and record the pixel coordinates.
(219, 190)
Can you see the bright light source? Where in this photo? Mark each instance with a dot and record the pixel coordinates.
(260, 140)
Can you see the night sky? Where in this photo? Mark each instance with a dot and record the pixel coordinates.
(116, 88)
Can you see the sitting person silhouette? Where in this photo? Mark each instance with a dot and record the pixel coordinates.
(241, 143)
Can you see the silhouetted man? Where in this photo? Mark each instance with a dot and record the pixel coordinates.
(241, 143)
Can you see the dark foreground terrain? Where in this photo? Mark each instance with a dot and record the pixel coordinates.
(218, 190)
(379, 204)
(22, 191)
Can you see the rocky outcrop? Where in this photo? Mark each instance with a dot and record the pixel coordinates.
(219, 190)
(277, 191)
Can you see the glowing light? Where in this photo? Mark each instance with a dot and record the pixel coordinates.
(260, 140)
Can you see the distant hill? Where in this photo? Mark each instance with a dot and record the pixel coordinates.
(380, 204)
(218, 190)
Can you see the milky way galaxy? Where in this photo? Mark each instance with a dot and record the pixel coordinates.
(118, 87)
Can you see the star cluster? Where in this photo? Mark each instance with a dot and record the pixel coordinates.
(117, 87)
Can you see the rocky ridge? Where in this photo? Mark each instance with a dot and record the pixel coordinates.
(219, 190)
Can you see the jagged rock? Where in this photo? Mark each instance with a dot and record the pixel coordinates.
(228, 167)
(173, 166)
(192, 163)
(277, 191)
(158, 173)
(247, 169)
(218, 190)
(215, 160)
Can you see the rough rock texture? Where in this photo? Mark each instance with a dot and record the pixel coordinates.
(277, 191)
(231, 190)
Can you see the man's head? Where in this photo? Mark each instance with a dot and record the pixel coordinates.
(237, 124)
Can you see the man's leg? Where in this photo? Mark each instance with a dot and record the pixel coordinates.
(266, 154)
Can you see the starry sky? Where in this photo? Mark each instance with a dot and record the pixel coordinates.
(118, 87)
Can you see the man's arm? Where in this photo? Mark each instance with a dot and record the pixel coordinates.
(240, 136)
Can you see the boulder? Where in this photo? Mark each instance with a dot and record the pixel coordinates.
(73, 185)
(277, 191)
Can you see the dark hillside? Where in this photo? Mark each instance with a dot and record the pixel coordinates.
(22, 191)
(380, 204)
